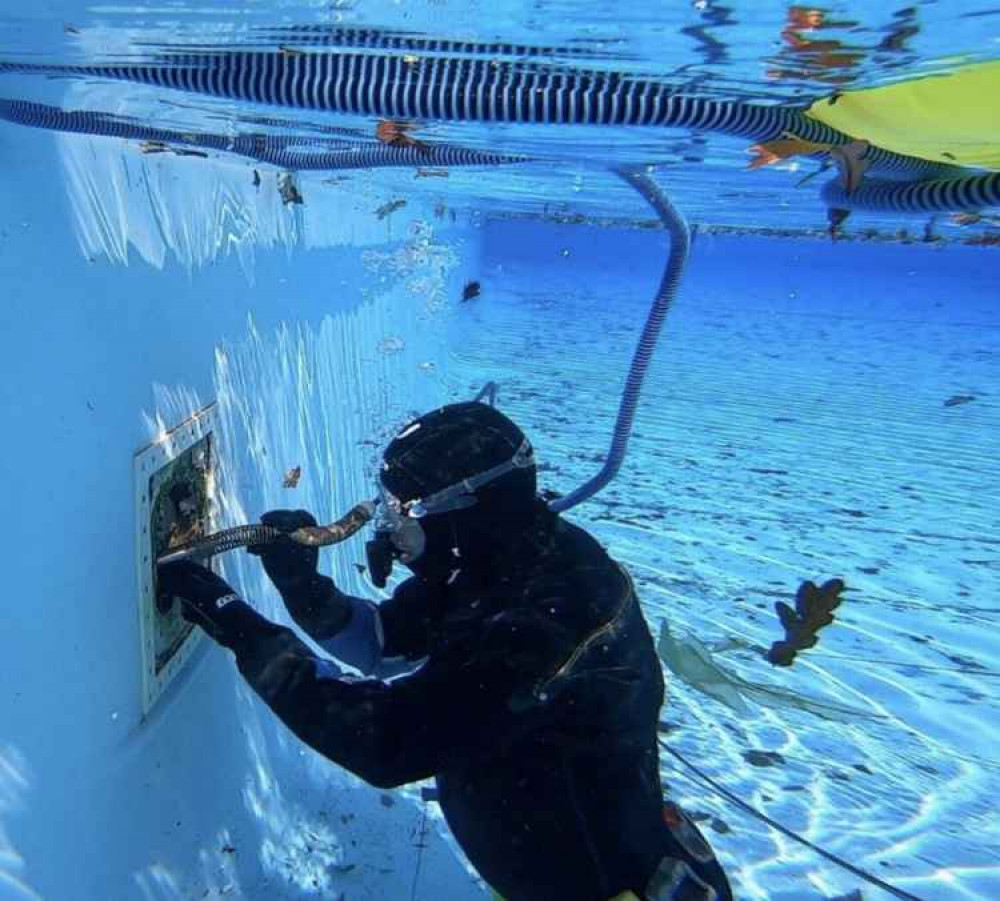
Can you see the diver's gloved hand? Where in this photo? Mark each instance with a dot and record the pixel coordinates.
(313, 600)
(290, 566)
(207, 600)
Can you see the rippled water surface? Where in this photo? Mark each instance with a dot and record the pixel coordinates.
(771, 53)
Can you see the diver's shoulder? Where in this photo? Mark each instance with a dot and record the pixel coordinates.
(571, 535)
(577, 584)
(584, 557)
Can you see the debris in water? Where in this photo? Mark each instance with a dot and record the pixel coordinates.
(288, 190)
(836, 217)
(292, 477)
(813, 609)
(289, 52)
(256, 179)
(763, 758)
(957, 399)
(852, 164)
(789, 144)
(389, 208)
(850, 158)
(432, 173)
(471, 290)
(70, 29)
(391, 345)
(397, 134)
(974, 218)
(160, 147)
(694, 663)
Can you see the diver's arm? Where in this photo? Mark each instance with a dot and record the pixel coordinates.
(348, 627)
(349, 721)
(377, 639)
(343, 624)
(316, 605)
(386, 733)
(397, 732)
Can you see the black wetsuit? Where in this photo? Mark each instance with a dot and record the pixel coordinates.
(535, 708)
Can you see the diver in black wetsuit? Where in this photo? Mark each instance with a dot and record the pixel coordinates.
(532, 688)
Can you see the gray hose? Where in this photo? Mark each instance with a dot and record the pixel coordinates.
(971, 193)
(679, 243)
(463, 89)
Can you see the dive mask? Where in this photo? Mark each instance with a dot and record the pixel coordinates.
(398, 532)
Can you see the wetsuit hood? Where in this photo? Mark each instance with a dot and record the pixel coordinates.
(441, 449)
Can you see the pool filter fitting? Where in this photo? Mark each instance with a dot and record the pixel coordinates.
(174, 480)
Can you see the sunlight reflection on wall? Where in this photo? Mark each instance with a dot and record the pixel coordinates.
(324, 398)
(14, 784)
(196, 209)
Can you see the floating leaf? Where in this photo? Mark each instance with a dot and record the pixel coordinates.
(292, 477)
(813, 610)
(771, 152)
(397, 134)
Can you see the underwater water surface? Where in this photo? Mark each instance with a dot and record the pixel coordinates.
(822, 404)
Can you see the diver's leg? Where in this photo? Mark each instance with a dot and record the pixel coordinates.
(692, 871)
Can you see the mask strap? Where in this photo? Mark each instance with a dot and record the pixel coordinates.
(462, 494)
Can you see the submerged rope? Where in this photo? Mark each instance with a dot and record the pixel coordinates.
(733, 798)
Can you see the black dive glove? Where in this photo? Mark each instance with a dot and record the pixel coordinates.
(208, 601)
(289, 565)
(312, 599)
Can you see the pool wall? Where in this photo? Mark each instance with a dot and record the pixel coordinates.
(209, 796)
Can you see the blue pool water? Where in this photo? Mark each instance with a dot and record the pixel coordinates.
(815, 409)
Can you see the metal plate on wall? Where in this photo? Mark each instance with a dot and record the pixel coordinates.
(174, 494)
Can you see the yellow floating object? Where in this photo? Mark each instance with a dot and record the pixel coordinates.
(949, 118)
